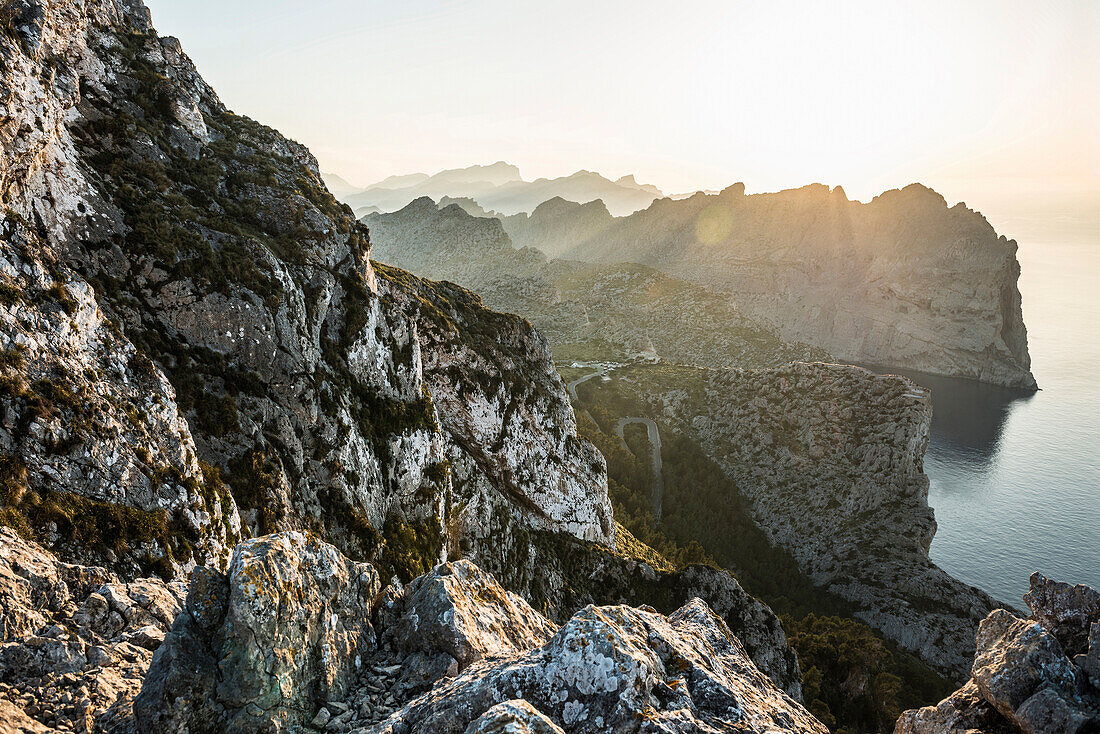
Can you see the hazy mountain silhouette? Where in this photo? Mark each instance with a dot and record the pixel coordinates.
(338, 186)
(499, 187)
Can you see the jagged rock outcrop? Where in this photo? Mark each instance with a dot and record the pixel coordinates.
(605, 668)
(513, 717)
(560, 575)
(614, 312)
(461, 611)
(608, 667)
(903, 281)
(75, 641)
(831, 458)
(224, 363)
(1035, 675)
(260, 648)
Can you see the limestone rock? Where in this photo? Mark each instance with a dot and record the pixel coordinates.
(513, 717)
(75, 641)
(287, 627)
(508, 427)
(963, 711)
(460, 610)
(609, 667)
(564, 575)
(1017, 660)
(91, 435)
(420, 671)
(1022, 678)
(1064, 609)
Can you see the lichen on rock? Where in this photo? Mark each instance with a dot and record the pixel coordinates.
(260, 648)
(1034, 675)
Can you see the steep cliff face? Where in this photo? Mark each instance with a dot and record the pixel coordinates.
(509, 433)
(831, 458)
(901, 281)
(197, 347)
(587, 311)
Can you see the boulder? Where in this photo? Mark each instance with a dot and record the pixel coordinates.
(260, 648)
(1017, 660)
(963, 711)
(513, 717)
(1064, 609)
(1032, 675)
(461, 611)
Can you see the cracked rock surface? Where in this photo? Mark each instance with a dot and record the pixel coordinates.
(259, 648)
(75, 641)
(451, 648)
(1035, 675)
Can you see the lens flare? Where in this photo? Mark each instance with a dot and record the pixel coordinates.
(713, 225)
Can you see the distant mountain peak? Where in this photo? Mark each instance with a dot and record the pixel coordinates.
(500, 187)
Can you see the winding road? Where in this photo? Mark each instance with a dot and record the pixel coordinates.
(602, 369)
(655, 443)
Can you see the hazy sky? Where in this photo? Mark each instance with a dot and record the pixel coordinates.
(969, 97)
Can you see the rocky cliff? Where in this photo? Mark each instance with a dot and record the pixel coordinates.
(903, 281)
(197, 347)
(831, 458)
(197, 350)
(1034, 674)
(587, 311)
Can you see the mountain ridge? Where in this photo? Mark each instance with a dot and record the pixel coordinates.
(500, 186)
(903, 280)
(198, 353)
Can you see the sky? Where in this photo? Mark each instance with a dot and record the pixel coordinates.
(983, 100)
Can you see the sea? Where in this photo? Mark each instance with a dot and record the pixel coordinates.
(1015, 477)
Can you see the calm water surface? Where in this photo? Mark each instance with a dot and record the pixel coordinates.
(1015, 479)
